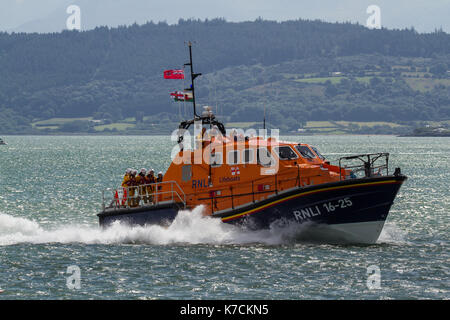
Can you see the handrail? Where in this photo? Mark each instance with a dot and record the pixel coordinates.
(368, 166)
(281, 182)
(252, 192)
(140, 193)
(255, 195)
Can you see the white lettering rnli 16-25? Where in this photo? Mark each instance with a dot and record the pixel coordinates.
(329, 207)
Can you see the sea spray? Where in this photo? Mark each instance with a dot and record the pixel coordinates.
(189, 227)
(392, 234)
(12, 225)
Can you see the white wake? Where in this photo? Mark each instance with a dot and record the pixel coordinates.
(189, 227)
(392, 234)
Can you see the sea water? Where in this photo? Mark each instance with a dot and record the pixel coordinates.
(50, 193)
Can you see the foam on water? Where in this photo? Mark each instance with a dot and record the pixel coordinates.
(189, 227)
(392, 234)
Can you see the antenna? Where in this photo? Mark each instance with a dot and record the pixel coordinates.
(193, 76)
(264, 121)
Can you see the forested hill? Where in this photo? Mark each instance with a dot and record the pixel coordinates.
(296, 67)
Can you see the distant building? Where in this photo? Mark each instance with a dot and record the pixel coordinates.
(97, 122)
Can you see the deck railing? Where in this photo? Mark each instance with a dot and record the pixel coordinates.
(237, 195)
(242, 194)
(143, 195)
(365, 165)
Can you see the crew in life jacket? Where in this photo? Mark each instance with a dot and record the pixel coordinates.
(126, 177)
(131, 184)
(150, 179)
(140, 181)
(159, 179)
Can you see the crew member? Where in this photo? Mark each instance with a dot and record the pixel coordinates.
(131, 184)
(140, 181)
(149, 181)
(125, 180)
(126, 177)
(158, 180)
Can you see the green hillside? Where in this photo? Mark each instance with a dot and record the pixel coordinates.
(110, 80)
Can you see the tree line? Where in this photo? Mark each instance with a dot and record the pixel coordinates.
(115, 73)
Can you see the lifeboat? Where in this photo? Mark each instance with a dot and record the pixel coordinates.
(260, 182)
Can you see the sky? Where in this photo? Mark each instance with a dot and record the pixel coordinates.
(51, 16)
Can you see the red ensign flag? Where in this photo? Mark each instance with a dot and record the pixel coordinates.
(174, 74)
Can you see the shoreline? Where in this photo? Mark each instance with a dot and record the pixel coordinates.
(168, 135)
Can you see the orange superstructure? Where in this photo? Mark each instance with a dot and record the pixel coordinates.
(245, 171)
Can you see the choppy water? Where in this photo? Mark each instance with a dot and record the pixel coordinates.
(50, 194)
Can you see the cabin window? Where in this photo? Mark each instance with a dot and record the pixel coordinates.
(305, 152)
(233, 157)
(318, 153)
(264, 157)
(248, 155)
(216, 159)
(285, 153)
(186, 172)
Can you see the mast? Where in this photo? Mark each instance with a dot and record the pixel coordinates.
(193, 76)
(209, 119)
